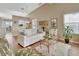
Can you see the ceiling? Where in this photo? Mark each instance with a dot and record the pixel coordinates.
(19, 9)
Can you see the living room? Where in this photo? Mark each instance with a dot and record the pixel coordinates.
(38, 29)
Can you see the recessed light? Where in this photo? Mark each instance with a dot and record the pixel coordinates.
(22, 8)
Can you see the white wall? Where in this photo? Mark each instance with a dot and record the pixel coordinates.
(57, 10)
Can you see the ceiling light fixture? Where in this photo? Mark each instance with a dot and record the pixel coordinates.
(22, 8)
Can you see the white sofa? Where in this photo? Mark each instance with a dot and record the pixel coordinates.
(30, 39)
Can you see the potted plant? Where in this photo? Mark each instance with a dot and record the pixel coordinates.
(67, 33)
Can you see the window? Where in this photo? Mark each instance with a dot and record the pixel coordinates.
(72, 20)
(6, 25)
